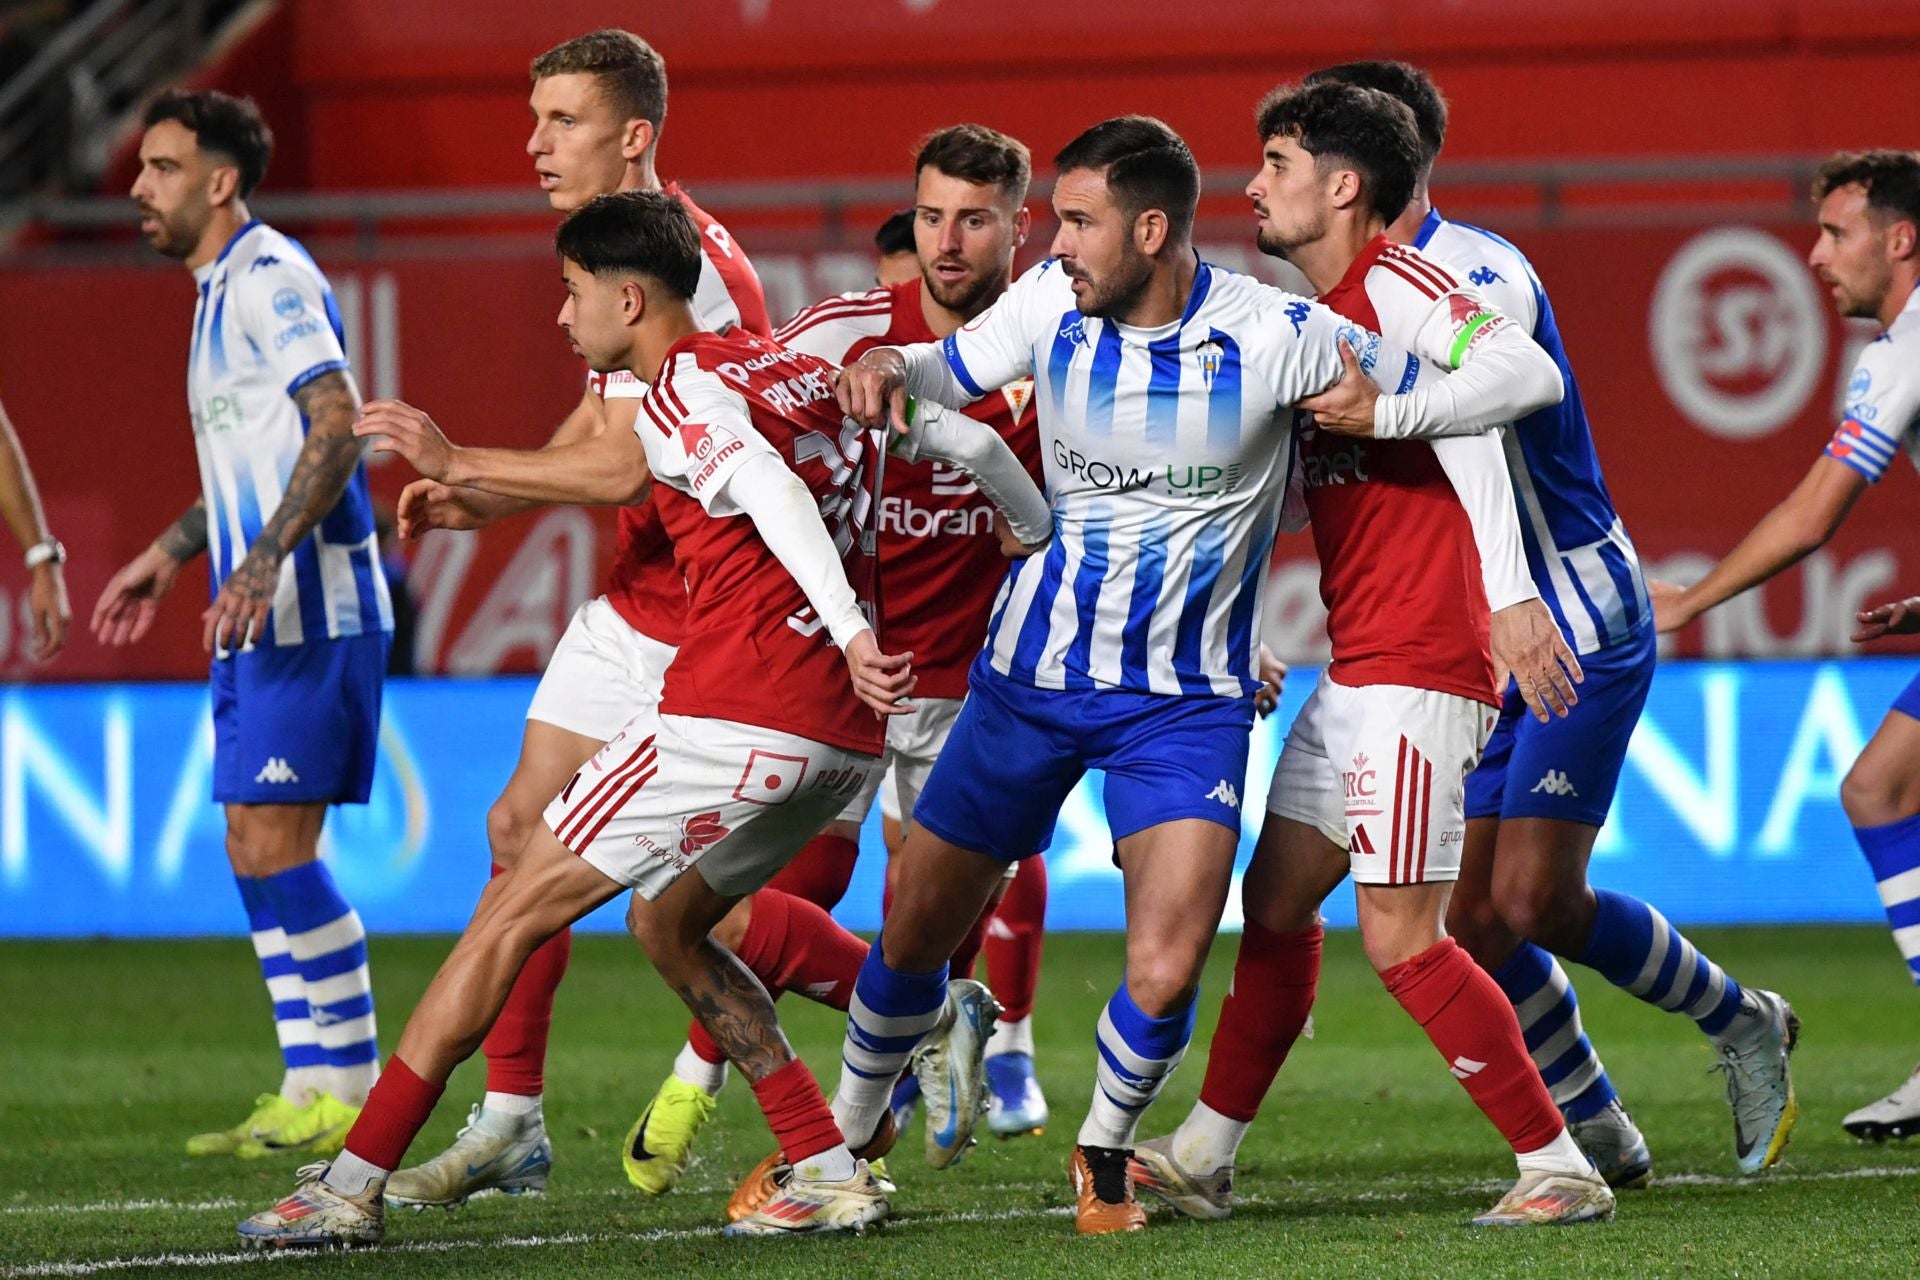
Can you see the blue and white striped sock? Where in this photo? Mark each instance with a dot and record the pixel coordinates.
(890, 1013)
(329, 945)
(1137, 1054)
(1893, 851)
(304, 1059)
(1635, 948)
(1549, 1014)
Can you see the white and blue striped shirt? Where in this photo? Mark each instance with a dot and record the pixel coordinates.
(1166, 453)
(265, 326)
(1577, 549)
(1882, 414)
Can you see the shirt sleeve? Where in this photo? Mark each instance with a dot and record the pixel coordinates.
(1882, 412)
(1477, 467)
(981, 452)
(996, 346)
(1295, 348)
(699, 452)
(288, 315)
(765, 490)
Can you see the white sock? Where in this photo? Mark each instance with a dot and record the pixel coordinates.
(690, 1068)
(835, 1164)
(302, 1085)
(351, 1176)
(352, 1084)
(1011, 1037)
(1108, 1124)
(512, 1104)
(1562, 1155)
(1207, 1141)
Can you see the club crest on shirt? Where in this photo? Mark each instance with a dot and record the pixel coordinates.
(1209, 353)
(1018, 395)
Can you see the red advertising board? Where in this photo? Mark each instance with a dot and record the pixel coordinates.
(1709, 359)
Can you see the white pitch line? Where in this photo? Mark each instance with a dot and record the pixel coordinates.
(914, 1221)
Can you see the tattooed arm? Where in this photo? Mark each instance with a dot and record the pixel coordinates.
(320, 476)
(131, 601)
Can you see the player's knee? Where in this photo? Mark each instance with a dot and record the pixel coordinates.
(1874, 796)
(1540, 912)
(731, 932)
(1476, 925)
(1163, 982)
(508, 829)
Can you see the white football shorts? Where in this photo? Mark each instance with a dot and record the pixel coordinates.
(602, 674)
(913, 744)
(669, 794)
(1381, 770)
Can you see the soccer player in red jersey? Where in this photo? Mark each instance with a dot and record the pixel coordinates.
(1371, 780)
(599, 103)
(758, 739)
(940, 569)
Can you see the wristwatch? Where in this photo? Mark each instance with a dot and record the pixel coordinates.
(50, 550)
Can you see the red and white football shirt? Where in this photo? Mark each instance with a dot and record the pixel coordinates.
(643, 585)
(940, 564)
(1400, 571)
(752, 650)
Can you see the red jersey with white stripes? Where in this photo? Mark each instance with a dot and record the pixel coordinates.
(940, 564)
(1399, 568)
(643, 586)
(753, 651)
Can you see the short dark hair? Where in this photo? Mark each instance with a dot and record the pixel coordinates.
(1891, 180)
(221, 123)
(1406, 82)
(1362, 128)
(1147, 166)
(975, 153)
(896, 233)
(643, 233)
(630, 73)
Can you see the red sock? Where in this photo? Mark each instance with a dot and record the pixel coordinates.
(395, 1111)
(1473, 1026)
(1015, 936)
(516, 1044)
(793, 945)
(1266, 1009)
(797, 1112)
(820, 872)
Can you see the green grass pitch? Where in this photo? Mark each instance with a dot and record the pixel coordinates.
(1367, 1161)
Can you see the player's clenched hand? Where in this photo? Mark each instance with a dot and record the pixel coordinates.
(1010, 546)
(882, 680)
(873, 390)
(1529, 647)
(127, 606)
(1273, 681)
(238, 615)
(1671, 611)
(48, 611)
(398, 427)
(1901, 618)
(428, 504)
(1346, 407)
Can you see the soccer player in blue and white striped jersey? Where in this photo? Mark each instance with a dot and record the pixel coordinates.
(1166, 390)
(1868, 254)
(1542, 790)
(301, 620)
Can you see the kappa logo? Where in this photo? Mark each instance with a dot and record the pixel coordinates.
(1555, 784)
(700, 831)
(264, 260)
(1223, 792)
(276, 770)
(1074, 331)
(1297, 313)
(1484, 276)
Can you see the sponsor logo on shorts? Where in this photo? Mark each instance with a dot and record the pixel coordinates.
(840, 782)
(276, 770)
(1223, 792)
(700, 831)
(1555, 784)
(1362, 787)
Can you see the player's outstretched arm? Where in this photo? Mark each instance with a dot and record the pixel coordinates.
(320, 475)
(131, 600)
(1800, 525)
(20, 508)
(788, 521)
(1500, 375)
(1526, 643)
(602, 467)
(979, 450)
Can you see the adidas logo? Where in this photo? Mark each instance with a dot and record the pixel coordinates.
(276, 769)
(1463, 1067)
(1362, 842)
(1555, 784)
(1225, 794)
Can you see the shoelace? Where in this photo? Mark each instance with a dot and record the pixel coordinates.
(1108, 1168)
(312, 1172)
(1757, 1099)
